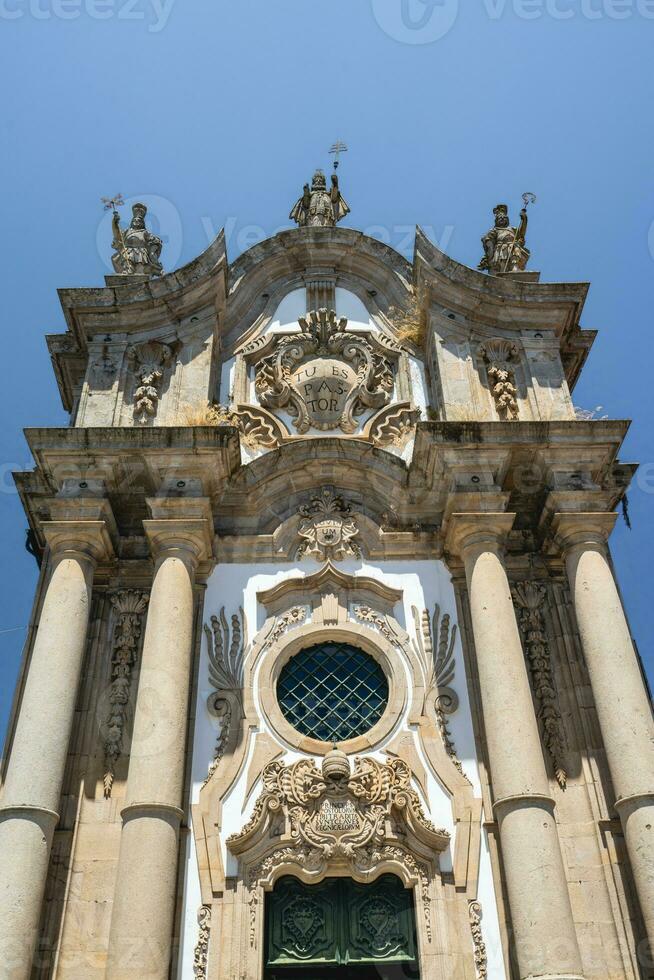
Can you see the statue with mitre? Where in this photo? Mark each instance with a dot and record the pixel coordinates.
(319, 207)
(136, 250)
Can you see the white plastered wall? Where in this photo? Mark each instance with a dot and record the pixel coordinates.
(423, 584)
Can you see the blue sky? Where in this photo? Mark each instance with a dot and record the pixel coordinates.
(216, 113)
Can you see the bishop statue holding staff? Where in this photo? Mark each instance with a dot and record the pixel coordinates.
(137, 250)
(319, 207)
(504, 246)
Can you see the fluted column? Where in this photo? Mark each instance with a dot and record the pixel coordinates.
(623, 708)
(544, 937)
(32, 790)
(144, 899)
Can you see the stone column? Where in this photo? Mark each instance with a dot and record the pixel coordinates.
(144, 899)
(30, 800)
(544, 936)
(621, 701)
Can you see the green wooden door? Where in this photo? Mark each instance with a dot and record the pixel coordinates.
(339, 923)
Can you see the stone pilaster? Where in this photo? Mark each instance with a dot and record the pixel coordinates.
(144, 899)
(544, 937)
(30, 800)
(623, 708)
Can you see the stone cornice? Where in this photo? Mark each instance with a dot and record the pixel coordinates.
(401, 507)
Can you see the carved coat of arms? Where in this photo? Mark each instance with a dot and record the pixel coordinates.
(339, 814)
(326, 376)
(327, 529)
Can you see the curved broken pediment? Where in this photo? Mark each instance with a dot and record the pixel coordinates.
(330, 580)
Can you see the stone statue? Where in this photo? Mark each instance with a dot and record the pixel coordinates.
(504, 246)
(136, 249)
(319, 207)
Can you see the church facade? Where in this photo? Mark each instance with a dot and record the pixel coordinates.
(328, 674)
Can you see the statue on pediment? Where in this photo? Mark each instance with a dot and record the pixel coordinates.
(504, 245)
(319, 207)
(136, 250)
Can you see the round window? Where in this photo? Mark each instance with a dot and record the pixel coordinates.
(332, 691)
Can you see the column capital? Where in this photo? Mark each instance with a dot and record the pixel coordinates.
(180, 524)
(579, 529)
(481, 529)
(87, 539)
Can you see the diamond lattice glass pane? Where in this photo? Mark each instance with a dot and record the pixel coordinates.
(332, 692)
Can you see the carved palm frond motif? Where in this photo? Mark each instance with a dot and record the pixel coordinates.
(226, 651)
(434, 644)
(226, 646)
(437, 658)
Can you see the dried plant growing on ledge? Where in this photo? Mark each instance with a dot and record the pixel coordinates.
(410, 321)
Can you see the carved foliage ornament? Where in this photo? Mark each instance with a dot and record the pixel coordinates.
(499, 356)
(435, 648)
(337, 817)
(129, 606)
(481, 959)
(201, 951)
(325, 376)
(227, 649)
(327, 528)
(148, 363)
(294, 617)
(529, 598)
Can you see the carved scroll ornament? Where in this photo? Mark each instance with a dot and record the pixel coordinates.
(259, 428)
(393, 425)
(325, 376)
